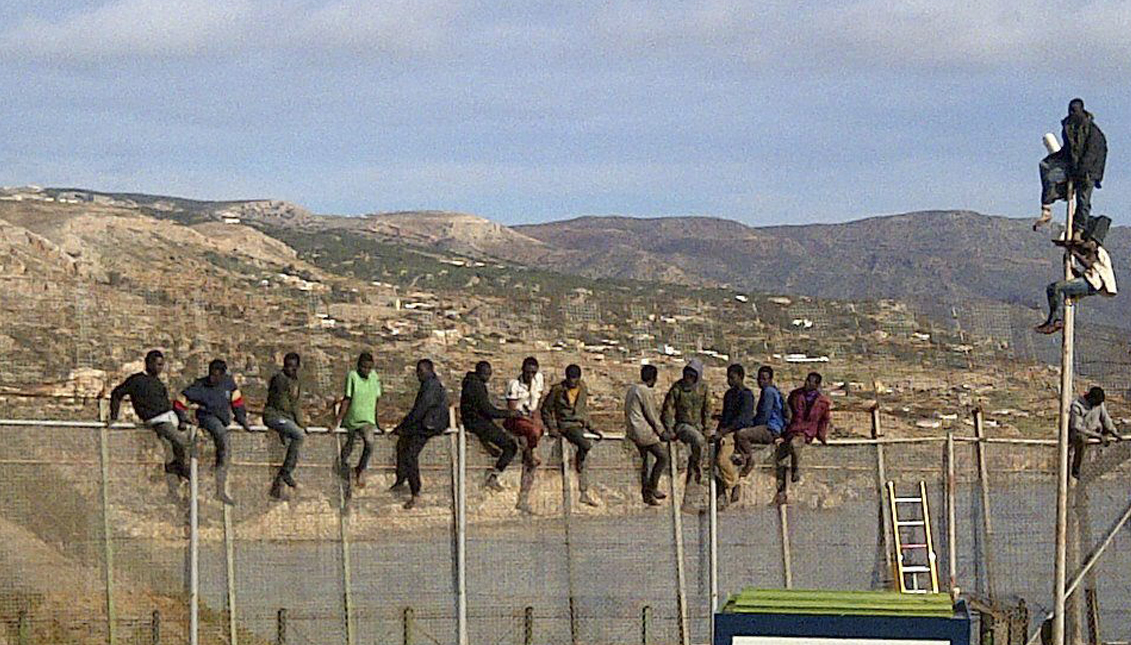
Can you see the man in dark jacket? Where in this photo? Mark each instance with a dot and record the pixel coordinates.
(283, 414)
(565, 413)
(217, 398)
(428, 418)
(478, 415)
(1081, 160)
(150, 400)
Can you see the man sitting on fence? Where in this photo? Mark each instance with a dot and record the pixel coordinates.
(810, 416)
(478, 415)
(685, 415)
(283, 414)
(428, 418)
(565, 412)
(150, 400)
(736, 430)
(357, 413)
(644, 429)
(217, 398)
(1088, 419)
(1094, 274)
(524, 394)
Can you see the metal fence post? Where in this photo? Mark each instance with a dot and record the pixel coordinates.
(984, 490)
(951, 529)
(881, 482)
(528, 626)
(567, 505)
(343, 538)
(677, 530)
(406, 626)
(713, 542)
(645, 615)
(230, 564)
(23, 629)
(194, 540)
(281, 627)
(786, 555)
(461, 527)
(155, 628)
(107, 539)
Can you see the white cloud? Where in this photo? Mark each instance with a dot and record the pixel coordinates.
(176, 29)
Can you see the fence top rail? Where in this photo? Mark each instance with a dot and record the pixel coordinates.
(834, 442)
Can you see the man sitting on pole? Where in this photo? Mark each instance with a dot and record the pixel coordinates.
(1088, 419)
(565, 413)
(1081, 160)
(151, 403)
(1094, 274)
(685, 415)
(479, 414)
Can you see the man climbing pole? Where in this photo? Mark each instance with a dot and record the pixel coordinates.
(1093, 273)
(1081, 160)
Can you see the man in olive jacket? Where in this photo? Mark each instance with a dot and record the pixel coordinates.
(685, 415)
(565, 412)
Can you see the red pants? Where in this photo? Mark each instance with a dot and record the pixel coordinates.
(525, 427)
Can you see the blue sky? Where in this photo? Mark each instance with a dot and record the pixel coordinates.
(766, 112)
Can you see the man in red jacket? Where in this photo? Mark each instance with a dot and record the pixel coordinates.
(810, 415)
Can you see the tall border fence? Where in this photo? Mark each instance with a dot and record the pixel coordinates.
(98, 543)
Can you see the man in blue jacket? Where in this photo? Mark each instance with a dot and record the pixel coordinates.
(217, 399)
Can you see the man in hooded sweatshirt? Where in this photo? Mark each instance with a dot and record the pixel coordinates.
(479, 414)
(685, 415)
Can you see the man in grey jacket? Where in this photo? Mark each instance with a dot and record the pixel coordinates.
(1088, 419)
(643, 427)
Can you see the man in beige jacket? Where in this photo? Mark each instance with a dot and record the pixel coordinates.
(642, 426)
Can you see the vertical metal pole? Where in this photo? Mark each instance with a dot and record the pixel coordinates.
(984, 489)
(786, 556)
(645, 614)
(406, 626)
(951, 529)
(1067, 368)
(23, 628)
(344, 541)
(155, 628)
(281, 627)
(677, 530)
(107, 540)
(713, 539)
(881, 479)
(194, 541)
(230, 564)
(567, 508)
(528, 626)
(461, 536)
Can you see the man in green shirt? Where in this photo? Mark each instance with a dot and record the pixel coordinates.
(283, 414)
(357, 413)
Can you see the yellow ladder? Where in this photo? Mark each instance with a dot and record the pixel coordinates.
(913, 536)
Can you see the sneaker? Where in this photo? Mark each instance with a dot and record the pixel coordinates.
(410, 504)
(1049, 328)
(359, 477)
(277, 489)
(736, 493)
(493, 482)
(397, 486)
(224, 497)
(587, 499)
(794, 475)
(659, 495)
(651, 500)
(288, 480)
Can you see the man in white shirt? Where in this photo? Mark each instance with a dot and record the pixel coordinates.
(1092, 267)
(524, 394)
(643, 427)
(1088, 419)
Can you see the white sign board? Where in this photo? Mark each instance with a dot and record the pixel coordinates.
(806, 640)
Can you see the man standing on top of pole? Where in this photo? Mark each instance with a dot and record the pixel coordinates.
(1081, 161)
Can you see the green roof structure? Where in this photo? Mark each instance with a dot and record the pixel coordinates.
(839, 603)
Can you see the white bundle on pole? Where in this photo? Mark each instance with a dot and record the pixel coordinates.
(1051, 143)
